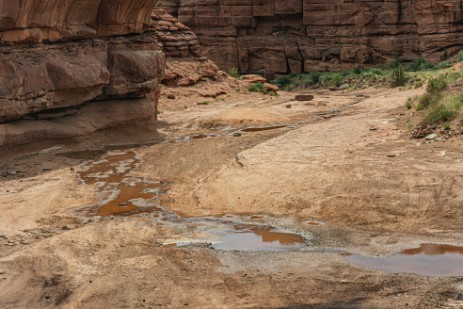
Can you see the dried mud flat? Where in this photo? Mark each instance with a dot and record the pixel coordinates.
(248, 201)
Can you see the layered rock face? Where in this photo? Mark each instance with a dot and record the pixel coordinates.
(292, 36)
(57, 54)
(185, 66)
(175, 39)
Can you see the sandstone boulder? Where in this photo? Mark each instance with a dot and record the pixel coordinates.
(271, 88)
(304, 97)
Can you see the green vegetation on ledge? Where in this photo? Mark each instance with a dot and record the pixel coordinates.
(396, 74)
(438, 104)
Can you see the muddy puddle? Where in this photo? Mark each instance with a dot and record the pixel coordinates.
(119, 194)
(427, 260)
(116, 192)
(245, 238)
(256, 238)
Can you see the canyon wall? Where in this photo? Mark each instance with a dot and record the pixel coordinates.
(184, 64)
(61, 54)
(292, 36)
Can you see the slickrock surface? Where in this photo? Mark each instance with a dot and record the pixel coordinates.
(58, 54)
(274, 36)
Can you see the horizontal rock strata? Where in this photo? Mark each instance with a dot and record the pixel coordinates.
(292, 36)
(184, 64)
(175, 39)
(56, 54)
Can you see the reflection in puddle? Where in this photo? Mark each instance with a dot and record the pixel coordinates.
(428, 260)
(130, 198)
(433, 249)
(258, 238)
(112, 168)
(248, 238)
(119, 194)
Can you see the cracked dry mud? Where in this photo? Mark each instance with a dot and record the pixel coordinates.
(274, 217)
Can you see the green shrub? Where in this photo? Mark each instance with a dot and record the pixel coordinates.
(345, 73)
(445, 110)
(436, 85)
(398, 77)
(426, 100)
(460, 56)
(452, 102)
(444, 65)
(283, 81)
(410, 125)
(420, 64)
(397, 62)
(258, 87)
(357, 71)
(336, 80)
(409, 104)
(233, 72)
(419, 84)
(433, 93)
(315, 77)
(303, 79)
(376, 71)
(444, 55)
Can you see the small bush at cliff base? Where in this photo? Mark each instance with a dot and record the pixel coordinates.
(447, 109)
(444, 56)
(357, 71)
(315, 77)
(336, 80)
(233, 72)
(283, 81)
(409, 103)
(420, 64)
(259, 87)
(398, 77)
(426, 100)
(436, 85)
(433, 93)
(460, 56)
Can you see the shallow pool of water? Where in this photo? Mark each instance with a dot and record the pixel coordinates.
(118, 193)
(256, 238)
(427, 260)
(247, 238)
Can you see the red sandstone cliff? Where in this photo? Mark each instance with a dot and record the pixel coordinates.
(61, 53)
(276, 36)
(184, 65)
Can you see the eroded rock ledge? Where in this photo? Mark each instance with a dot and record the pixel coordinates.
(291, 36)
(184, 64)
(56, 54)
